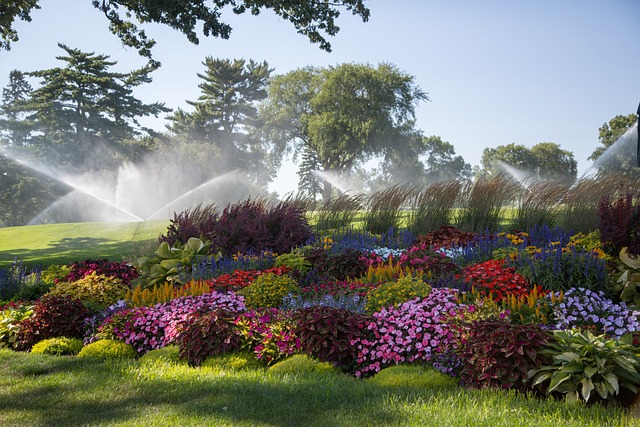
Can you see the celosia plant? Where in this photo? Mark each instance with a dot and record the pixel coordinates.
(494, 278)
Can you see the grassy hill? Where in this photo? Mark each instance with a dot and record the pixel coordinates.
(63, 243)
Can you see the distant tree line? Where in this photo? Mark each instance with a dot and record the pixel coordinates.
(83, 117)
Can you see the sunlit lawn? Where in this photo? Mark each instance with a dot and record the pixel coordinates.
(37, 390)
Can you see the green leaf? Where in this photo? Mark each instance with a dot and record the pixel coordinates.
(169, 264)
(164, 251)
(557, 379)
(613, 380)
(589, 371)
(587, 386)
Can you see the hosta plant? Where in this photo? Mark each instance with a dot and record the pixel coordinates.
(168, 261)
(583, 366)
(497, 354)
(629, 280)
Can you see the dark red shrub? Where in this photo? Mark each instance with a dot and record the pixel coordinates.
(121, 270)
(497, 354)
(53, 316)
(337, 265)
(447, 237)
(254, 226)
(327, 332)
(619, 224)
(206, 335)
(199, 222)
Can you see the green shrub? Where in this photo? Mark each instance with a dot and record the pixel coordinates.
(582, 363)
(53, 316)
(206, 335)
(54, 274)
(10, 323)
(497, 354)
(394, 293)
(412, 376)
(94, 290)
(58, 346)
(268, 290)
(236, 361)
(294, 260)
(168, 354)
(302, 364)
(108, 349)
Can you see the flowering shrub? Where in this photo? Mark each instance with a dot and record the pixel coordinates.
(268, 332)
(94, 328)
(123, 271)
(415, 331)
(53, 316)
(240, 279)
(268, 290)
(206, 335)
(149, 328)
(393, 293)
(499, 354)
(591, 310)
(95, 290)
(421, 257)
(493, 278)
(326, 333)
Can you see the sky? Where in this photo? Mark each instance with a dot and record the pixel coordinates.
(496, 71)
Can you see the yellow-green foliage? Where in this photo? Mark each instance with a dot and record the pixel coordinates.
(93, 289)
(294, 260)
(303, 364)
(412, 376)
(54, 272)
(10, 323)
(108, 349)
(236, 361)
(386, 272)
(168, 354)
(268, 290)
(58, 346)
(140, 297)
(393, 293)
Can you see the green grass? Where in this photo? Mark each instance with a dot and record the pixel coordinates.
(64, 243)
(38, 390)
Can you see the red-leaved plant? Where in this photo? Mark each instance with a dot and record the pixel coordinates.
(206, 335)
(53, 316)
(497, 354)
(494, 278)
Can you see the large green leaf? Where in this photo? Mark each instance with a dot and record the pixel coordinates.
(164, 251)
(587, 386)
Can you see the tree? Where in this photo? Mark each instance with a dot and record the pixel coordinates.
(312, 19)
(15, 130)
(441, 162)
(617, 154)
(226, 112)
(344, 114)
(545, 160)
(83, 109)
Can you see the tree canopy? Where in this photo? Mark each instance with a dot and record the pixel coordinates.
(617, 154)
(343, 114)
(313, 19)
(79, 109)
(545, 160)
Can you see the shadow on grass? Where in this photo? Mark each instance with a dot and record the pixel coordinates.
(68, 250)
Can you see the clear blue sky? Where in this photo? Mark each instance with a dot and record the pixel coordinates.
(497, 72)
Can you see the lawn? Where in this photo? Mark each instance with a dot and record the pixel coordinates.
(49, 244)
(42, 390)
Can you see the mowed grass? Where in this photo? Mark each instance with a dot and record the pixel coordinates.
(49, 244)
(39, 390)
